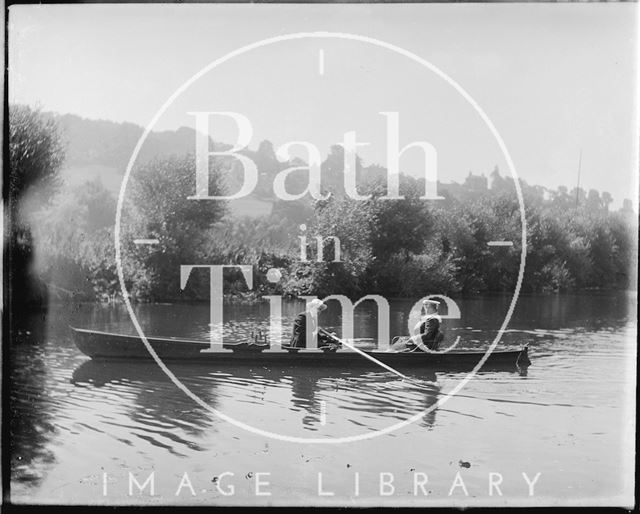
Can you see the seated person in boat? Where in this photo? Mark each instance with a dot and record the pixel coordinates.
(306, 324)
(427, 330)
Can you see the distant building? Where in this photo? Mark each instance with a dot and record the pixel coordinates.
(500, 183)
(476, 182)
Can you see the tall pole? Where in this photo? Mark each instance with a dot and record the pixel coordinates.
(578, 186)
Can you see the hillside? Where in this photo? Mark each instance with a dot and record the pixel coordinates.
(100, 150)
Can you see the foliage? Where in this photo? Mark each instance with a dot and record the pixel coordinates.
(158, 207)
(36, 153)
(404, 248)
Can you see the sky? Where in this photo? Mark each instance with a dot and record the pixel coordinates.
(556, 80)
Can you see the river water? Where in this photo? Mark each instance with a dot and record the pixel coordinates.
(82, 430)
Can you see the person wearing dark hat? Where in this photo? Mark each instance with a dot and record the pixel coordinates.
(305, 319)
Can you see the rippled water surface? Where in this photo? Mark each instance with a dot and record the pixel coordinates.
(81, 427)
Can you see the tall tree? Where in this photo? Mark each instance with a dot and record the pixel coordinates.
(36, 152)
(158, 207)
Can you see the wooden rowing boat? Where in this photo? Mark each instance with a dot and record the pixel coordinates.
(105, 345)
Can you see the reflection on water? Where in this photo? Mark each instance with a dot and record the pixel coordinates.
(31, 417)
(64, 403)
(365, 399)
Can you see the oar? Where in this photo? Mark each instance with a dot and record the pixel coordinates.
(372, 359)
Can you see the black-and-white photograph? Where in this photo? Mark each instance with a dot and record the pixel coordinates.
(322, 254)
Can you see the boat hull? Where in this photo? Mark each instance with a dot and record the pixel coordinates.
(108, 346)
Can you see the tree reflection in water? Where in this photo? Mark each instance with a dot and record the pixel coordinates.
(31, 417)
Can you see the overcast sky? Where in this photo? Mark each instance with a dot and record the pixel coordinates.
(554, 79)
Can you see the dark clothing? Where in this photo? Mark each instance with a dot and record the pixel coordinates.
(299, 336)
(429, 328)
(430, 332)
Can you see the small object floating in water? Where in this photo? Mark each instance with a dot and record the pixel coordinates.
(464, 464)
